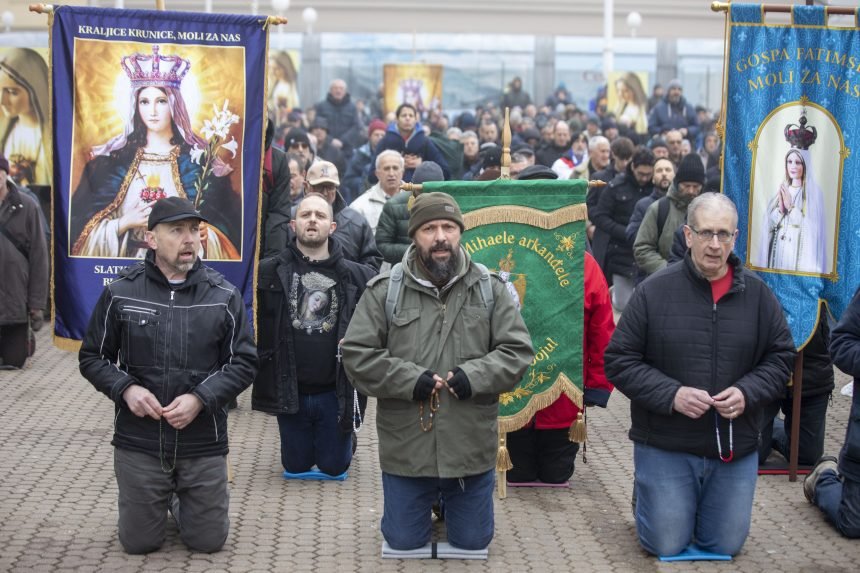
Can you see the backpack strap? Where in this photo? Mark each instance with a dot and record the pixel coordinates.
(662, 214)
(486, 288)
(395, 280)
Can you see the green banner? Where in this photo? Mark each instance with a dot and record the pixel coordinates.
(533, 234)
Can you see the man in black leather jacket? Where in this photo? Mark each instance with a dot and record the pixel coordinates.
(170, 344)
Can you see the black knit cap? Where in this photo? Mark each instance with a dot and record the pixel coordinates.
(691, 170)
(172, 209)
(431, 206)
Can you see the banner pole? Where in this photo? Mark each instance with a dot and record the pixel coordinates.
(785, 8)
(506, 146)
(159, 5)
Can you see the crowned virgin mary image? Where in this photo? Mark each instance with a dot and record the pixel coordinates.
(793, 225)
(157, 155)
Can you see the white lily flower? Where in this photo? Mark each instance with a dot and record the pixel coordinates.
(231, 146)
(196, 154)
(208, 129)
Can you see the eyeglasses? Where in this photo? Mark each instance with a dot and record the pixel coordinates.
(299, 146)
(708, 236)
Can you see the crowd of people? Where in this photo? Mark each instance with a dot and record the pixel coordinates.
(365, 291)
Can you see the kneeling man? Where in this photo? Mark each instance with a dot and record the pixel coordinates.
(169, 343)
(305, 297)
(700, 350)
(436, 363)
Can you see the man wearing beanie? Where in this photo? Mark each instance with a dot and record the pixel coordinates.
(24, 288)
(392, 236)
(654, 240)
(436, 360)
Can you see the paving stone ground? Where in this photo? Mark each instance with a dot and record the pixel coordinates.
(58, 500)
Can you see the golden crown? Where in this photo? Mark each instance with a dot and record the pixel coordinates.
(155, 70)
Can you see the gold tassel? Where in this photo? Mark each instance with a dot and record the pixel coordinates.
(503, 464)
(503, 457)
(577, 430)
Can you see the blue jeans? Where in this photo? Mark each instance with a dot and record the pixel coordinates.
(682, 499)
(840, 502)
(468, 503)
(310, 437)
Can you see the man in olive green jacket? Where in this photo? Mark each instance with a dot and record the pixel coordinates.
(654, 244)
(436, 369)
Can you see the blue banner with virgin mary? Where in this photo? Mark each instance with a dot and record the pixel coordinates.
(792, 94)
(149, 105)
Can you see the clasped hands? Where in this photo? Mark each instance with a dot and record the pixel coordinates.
(693, 402)
(429, 383)
(178, 413)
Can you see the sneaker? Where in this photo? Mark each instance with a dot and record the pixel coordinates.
(823, 464)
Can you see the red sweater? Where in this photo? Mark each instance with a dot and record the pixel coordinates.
(598, 326)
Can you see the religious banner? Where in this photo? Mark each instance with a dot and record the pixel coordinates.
(148, 105)
(416, 84)
(790, 119)
(627, 99)
(25, 126)
(532, 233)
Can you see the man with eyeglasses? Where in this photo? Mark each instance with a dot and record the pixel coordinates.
(700, 350)
(297, 141)
(654, 239)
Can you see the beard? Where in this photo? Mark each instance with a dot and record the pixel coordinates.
(439, 272)
(311, 242)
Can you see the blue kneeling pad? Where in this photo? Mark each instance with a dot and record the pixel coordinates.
(315, 474)
(693, 553)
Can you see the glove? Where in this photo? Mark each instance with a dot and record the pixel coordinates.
(37, 319)
(424, 387)
(460, 384)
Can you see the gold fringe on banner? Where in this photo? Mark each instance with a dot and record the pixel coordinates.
(67, 344)
(578, 432)
(525, 216)
(562, 385)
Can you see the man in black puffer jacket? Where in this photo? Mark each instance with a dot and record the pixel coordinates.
(701, 349)
(306, 297)
(170, 344)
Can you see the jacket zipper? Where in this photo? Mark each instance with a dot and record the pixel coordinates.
(714, 339)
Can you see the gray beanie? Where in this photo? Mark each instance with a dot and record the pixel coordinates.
(428, 171)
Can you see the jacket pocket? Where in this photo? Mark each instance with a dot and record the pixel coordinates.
(475, 334)
(403, 335)
(141, 327)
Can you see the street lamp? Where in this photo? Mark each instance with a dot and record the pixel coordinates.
(309, 17)
(634, 22)
(280, 6)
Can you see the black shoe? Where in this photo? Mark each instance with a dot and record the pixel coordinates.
(823, 464)
(233, 404)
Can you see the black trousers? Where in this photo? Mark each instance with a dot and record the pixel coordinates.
(14, 344)
(541, 455)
